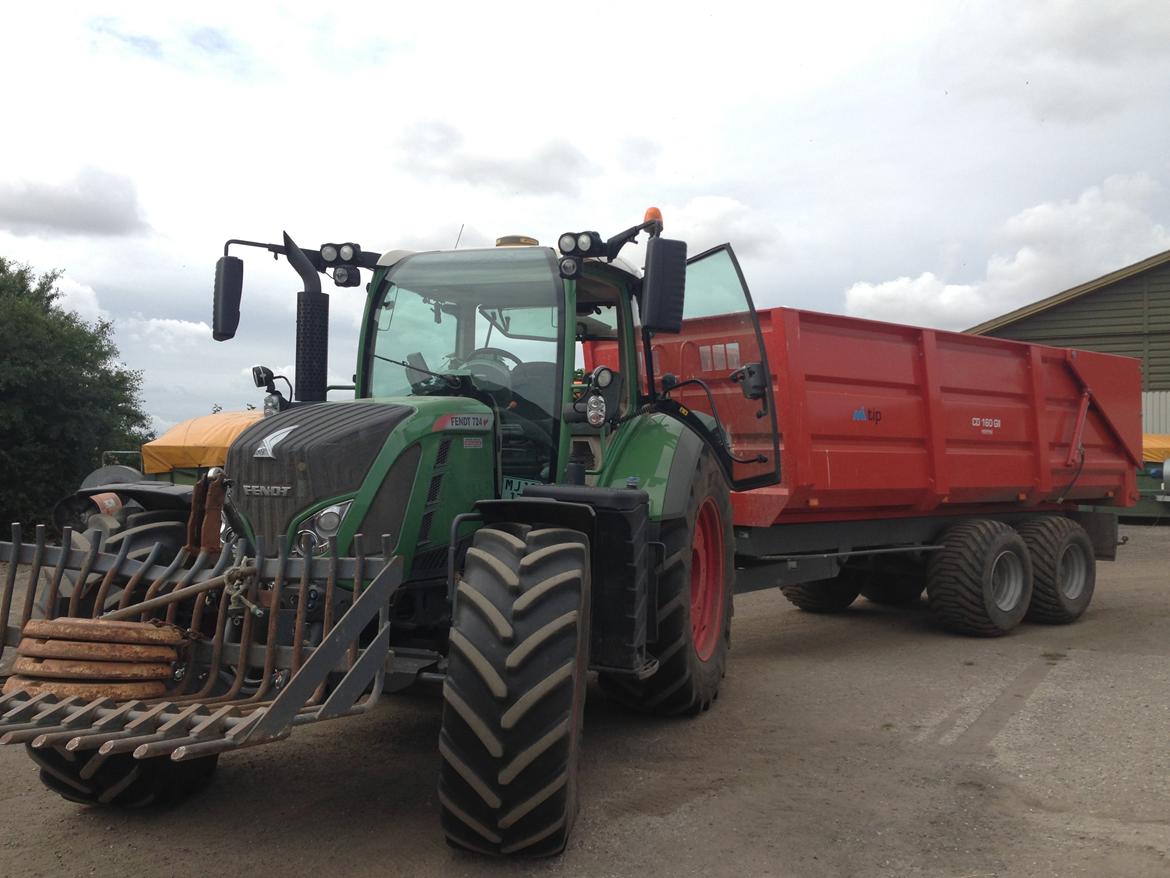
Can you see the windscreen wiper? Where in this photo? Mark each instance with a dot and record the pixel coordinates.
(450, 380)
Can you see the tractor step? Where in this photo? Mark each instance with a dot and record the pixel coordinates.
(138, 663)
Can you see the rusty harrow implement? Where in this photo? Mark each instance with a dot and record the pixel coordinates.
(118, 655)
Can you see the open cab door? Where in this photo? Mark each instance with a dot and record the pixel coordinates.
(715, 370)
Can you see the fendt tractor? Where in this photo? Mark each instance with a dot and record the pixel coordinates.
(552, 464)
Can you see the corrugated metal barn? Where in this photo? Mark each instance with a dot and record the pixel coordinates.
(1124, 312)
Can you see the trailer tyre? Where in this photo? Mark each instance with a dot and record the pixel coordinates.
(120, 780)
(824, 595)
(694, 606)
(895, 582)
(515, 692)
(980, 582)
(1064, 568)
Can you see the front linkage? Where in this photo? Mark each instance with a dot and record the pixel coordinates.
(120, 657)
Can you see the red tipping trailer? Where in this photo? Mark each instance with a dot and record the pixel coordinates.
(911, 457)
(878, 419)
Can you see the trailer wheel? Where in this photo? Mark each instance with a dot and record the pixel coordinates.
(825, 595)
(515, 692)
(121, 781)
(980, 582)
(694, 606)
(895, 582)
(1064, 567)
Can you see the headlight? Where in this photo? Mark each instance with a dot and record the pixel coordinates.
(567, 243)
(595, 411)
(329, 253)
(314, 533)
(271, 404)
(569, 267)
(348, 252)
(585, 242)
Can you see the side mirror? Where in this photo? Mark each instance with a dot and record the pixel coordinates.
(229, 286)
(751, 380)
(664, 285)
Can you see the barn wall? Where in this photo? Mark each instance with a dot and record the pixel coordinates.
(1131, 317)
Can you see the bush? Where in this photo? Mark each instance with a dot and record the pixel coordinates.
(64, 396)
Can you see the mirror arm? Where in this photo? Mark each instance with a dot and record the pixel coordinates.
(648, 355)
(615, 244)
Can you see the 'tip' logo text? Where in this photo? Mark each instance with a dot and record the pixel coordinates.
(864, 414)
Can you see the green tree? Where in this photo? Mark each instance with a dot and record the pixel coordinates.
(64, 396)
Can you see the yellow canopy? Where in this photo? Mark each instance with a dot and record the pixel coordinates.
(199, 442)
(1155, 447)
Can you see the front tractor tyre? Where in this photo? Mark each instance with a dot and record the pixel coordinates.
(515, 692)
(694, 605)
(980, 582)
(121, 781)
(1064, 565)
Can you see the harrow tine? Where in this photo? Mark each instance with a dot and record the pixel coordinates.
(51, 710)
(108, 580)
(82, 581)
(34, 577)
(132, 585)
(58, 571)
(74, 720)
(178, 561)
(169, 728)
(202, 730)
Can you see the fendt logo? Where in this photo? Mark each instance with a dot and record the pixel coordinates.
(267, 447)
(864, 414)
(267, 490)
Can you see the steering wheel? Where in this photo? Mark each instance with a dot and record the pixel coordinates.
(490, 371)
(495, 352)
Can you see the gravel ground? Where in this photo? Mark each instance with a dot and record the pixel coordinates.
(869, 743)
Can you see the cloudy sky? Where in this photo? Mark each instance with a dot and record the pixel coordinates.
(935, 163)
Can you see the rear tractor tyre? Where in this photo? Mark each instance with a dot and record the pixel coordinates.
(694, 606)
(121, 781)
(1064, 568)
(140, 533)
(980, 582)
(824, 595)
(515, 692)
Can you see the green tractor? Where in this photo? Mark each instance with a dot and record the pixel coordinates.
(511, 500)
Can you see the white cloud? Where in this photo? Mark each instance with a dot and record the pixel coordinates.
(1040, 251)
(90, 202)
(163, 334)
(80, 298)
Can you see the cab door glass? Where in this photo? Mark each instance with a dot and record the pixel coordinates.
(719, 342)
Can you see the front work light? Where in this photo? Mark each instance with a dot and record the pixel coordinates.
(595, 411)
(570, 267)
(329, 253)
(567, 243)
(349, 252)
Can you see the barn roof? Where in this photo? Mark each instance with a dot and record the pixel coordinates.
(1070, 294)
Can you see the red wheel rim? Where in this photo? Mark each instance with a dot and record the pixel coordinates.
(707, 580)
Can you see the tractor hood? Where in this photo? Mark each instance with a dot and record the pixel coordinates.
(287, 463)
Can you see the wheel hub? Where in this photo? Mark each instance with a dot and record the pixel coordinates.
(708, 583)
